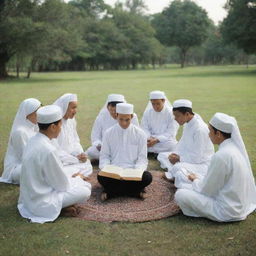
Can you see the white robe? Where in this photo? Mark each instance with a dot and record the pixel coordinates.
(162, 126)
(44, 187)
(227, 193)
(17, 142)
(125, 148)
(195, 150)
(103, 121)
(68, 146)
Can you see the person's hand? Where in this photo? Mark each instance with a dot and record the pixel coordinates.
(152, 141)
(81, 176)
(174, 158)
(192, 177)
(98, 147)
(82, 157)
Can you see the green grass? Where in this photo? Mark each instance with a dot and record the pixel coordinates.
(228, 89)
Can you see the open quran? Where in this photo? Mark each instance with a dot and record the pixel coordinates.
(115, 172)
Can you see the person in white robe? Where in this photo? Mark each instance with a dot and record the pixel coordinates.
(23, 128)
(194, 150)
(45, 188)
(68, 143)
(228, 192)
(158, 123)
(124, 145)
(105, 119)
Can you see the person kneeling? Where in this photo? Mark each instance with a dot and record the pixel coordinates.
(124, 145)
(45, 188)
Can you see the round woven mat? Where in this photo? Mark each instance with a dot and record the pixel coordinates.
(158, 204)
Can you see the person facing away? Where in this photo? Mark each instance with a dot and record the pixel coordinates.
(124, 145)
(105, 119)
(68, 143)
(24, 127)
(228, 191)
(194, 150)
(45, 188)
(158, 123)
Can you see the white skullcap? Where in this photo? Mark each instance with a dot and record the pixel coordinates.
(182, 103)
(115, 97)
(124, 108)
(157, 95)
(49, 114)
(223, 122)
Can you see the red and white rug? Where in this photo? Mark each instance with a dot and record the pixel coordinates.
(159, 203)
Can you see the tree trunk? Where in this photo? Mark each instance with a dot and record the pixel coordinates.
(4, 58)
(183, 55)
(17, 69)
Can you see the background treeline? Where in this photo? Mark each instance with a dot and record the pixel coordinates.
(54, 35)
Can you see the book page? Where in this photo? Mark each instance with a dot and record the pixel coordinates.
(112, 169)
(131, 173)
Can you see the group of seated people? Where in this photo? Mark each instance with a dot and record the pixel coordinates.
(45, 157)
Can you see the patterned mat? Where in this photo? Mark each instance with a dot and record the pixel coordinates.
(158, 204)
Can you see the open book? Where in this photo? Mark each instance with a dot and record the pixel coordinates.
(119, 173)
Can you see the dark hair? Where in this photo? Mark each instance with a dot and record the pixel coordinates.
(44, 127)
(225, 135)
(113, 103)
(183, 110)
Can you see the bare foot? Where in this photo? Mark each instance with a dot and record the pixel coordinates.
(70, 211)
(103, 196)
(142, 195)
(165, 178)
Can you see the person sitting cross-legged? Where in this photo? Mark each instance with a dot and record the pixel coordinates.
(124, 145)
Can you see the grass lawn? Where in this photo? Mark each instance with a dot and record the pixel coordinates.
(228, 89)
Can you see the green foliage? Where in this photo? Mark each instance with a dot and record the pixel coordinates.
(182, 24)
(239, 26)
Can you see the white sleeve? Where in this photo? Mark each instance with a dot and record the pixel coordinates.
(96, 134)
(214, 181)
(78, 149)
(145, 124)
(19, 140)
(142, 161)
(200, 140)
(54, 173)
(105, 152)
(170, 132)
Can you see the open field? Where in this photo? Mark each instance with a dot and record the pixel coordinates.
(228, 89)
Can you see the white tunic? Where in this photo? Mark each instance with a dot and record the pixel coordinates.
(103, 121)
(162, 126)
(195, 150)
(43, 183)
(17, 142)
(126, 148)
(227, 193)
(68, 145)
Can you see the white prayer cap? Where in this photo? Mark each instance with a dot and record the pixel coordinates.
(223, 122)
(49, 114)
(116, 97)
(157, 95)
(228, 124)
(124, 108)
(182, 103)
(64, 100)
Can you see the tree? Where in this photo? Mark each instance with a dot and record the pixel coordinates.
(239, 26)
(182, 24)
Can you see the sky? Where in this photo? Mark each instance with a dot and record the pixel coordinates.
(214, 8)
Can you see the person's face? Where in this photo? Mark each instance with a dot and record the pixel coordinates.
(158, 104)
(56, 129)
(32, 117)
(213, 136)
(180, 117)
(112, 111)
(71, 111)
(124, 120)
